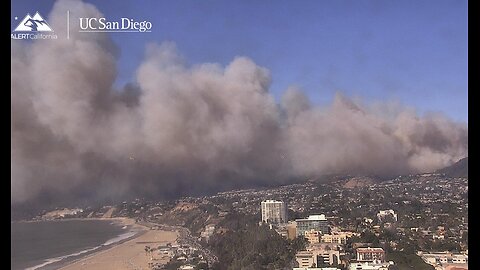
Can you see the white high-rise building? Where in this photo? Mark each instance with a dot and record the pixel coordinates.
(274, 211)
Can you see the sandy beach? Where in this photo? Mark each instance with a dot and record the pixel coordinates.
(129, 254)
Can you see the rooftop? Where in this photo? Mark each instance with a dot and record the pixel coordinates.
(272, 201)
(314, 217)
(370, 249)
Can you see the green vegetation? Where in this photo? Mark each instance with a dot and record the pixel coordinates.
(254, 247)
(404, 261)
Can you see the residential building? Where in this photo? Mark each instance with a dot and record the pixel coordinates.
(319, 254)
(306, 259)
(445, 260)
(315, 222)
(340, 238)
(370, 254)
(274, 211)
(385, 215)
(208, 232)
(370, 266)
(312, 236)
(325, 254)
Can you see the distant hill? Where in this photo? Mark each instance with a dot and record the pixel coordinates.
(350, 181)
(458, 169)
(359, 182)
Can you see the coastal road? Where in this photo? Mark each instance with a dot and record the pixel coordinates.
(185, 238)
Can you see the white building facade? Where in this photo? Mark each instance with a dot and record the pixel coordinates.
(274, 211)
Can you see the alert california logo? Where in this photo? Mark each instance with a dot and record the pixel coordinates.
(33, 27)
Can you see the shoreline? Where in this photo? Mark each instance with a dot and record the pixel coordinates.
(67, 263)
(116, 253)
(122, 254)
(133, 228)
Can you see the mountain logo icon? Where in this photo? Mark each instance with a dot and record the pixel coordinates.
(33, 24)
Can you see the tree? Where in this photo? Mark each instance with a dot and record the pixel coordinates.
(255, 247)
(369, 237)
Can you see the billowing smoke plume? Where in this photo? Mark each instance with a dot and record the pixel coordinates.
(182, 129)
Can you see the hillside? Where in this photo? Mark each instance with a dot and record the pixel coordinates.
(458, 169)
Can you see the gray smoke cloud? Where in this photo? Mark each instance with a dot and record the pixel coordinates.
(181, 129)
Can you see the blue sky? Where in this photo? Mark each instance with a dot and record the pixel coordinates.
(414, 52)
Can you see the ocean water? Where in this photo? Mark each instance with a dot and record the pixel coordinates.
(46, 244)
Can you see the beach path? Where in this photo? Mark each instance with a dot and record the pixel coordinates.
(128, 255)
